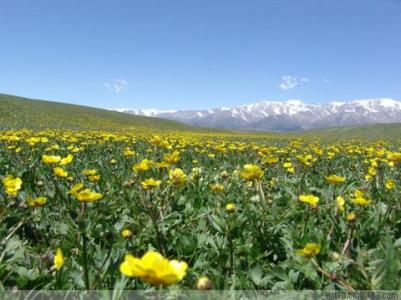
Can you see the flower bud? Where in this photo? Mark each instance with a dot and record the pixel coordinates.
(334, 256)
(204, 283)
(230, 207)
(39, 183)
(126, 233)
(351, 216)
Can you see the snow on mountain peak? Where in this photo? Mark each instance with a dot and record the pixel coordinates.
(286, 115)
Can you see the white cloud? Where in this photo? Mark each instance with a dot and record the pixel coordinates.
(118, 85)
(290, 82)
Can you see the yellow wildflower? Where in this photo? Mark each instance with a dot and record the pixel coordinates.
(128, 152)
(75, 189)
(335, 179)
(310, 250)
(172, 158)
(390, 184)
(361, 201)
(33, 202)
(60, 172)
(150, 183)
(12, 185)
(394, 156)
(58, 260)
(216, 187)
(351, 216)
(177, 177)
(51, 159)
(251, 172)
(307, 160)
(153, 268)
(66, 160)
(340, 203)
(230, 207)
(309, 199)
(143, 166)
(126, 233)
(87, 195)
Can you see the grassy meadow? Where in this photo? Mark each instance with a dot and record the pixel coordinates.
(94, 199)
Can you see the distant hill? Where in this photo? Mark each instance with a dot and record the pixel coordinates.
(368, 132)
(18, 112)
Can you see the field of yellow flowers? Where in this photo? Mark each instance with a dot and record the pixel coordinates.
(100, 210)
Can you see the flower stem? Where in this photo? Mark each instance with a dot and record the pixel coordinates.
(84, 246)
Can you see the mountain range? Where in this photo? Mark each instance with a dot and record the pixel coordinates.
(289, 115)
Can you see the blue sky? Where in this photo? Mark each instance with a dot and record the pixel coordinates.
(200, 53)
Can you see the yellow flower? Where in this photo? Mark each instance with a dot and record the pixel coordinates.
(270, 160)
(172, 158)
(307, 160)
(87, 195)
(84, 195)
(340, 203)
(390, 184)
(75, 189)
(358, 193)
(12, 185)
(94, 178)
(33, 202)
(335, 179)
(128, 152)
(66, 160)
(372, 171)
(290, 170)
(310, 250)
(288, 167)
(394, 156)
(230, 207)
(143, 166)
(309, 199)
(251, 172)
(153, 268)
(58, 259)
(91, 174)
(60, 172)
(150, 183)
(361, 201)
(215, 187)
(177, 177)
(351, 216)
(126, 233)
(51, 159)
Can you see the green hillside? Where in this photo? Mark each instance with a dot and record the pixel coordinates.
(18, 112)
(368, 132)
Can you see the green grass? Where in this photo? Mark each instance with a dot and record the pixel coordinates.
(18, 112)
(368, 132)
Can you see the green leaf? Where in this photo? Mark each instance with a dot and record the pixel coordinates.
(256, 274)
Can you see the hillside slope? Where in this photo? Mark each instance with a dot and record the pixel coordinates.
(368, 132)
(19, 112)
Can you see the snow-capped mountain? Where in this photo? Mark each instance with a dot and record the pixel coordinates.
(286, 116)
